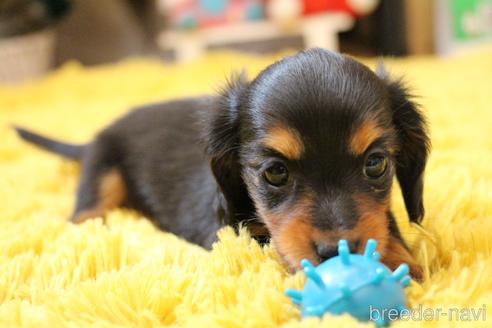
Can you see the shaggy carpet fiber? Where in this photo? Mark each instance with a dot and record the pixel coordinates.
(127, 273)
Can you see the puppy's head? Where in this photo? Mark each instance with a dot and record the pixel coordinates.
(310, 149)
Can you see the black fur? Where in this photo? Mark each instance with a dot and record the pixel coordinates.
(222, 148)
(68, 150)
(412, 158)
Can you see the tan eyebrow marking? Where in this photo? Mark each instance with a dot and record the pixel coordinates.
(285, 141)
(364, 136)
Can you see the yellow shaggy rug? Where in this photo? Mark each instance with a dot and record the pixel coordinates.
(127, 273)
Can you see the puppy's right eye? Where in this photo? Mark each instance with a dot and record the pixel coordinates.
(375, 166)
(276, 174)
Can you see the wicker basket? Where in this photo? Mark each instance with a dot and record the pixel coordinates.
(26, 57)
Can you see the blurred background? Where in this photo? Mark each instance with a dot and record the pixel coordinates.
(36, 36)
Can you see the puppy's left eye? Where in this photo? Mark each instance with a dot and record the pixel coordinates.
(276, 174)
(375, 165)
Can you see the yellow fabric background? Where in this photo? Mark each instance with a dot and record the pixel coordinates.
(125, 272)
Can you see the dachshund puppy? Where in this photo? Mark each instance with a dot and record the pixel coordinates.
(303, 155)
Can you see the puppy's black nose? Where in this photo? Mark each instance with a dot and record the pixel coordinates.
(329, 250)
(326, 251)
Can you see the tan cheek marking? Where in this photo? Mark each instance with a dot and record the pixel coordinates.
(286, 141)
(373, 222)
(294, 242)
(396, 254)
(111, 194)
(364, 136)
(291, 232)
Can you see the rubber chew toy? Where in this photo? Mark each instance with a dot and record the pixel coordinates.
(356, 284)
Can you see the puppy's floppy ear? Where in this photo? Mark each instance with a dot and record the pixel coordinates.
(223, 143)
(414, 143)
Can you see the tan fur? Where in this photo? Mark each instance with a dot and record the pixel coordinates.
(364, 136)
(294, 241)
(373, 222)
(111, 194)
(291, 232)
(286, 141)
(257, 229)
(396, 254)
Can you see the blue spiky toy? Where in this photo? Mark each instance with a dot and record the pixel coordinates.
(356, 284)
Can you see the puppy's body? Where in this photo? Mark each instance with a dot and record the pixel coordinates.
(305, 154)
(158, 153)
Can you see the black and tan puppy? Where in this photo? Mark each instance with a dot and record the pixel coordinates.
(305, 154)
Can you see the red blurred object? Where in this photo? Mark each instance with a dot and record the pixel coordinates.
(317, 6)
(355, 8)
